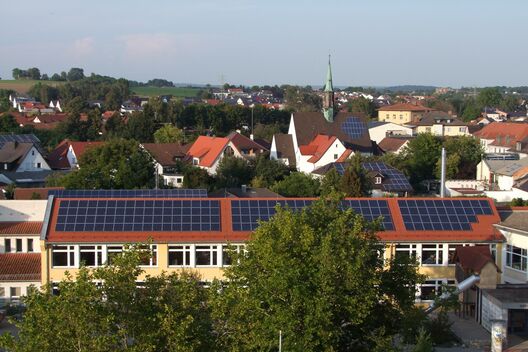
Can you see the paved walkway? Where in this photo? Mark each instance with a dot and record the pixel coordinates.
(470, 332)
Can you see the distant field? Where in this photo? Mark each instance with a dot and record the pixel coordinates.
(174, 91)
(22, 86)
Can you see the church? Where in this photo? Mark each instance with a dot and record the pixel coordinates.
(315, 139)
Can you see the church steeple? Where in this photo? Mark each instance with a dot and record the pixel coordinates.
(328, 95)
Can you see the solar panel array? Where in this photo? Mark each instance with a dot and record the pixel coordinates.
(442, 214)
(20, 138)
(129, 193)
(138, 215)
(245, 214)
(395, 180)
(354, 127)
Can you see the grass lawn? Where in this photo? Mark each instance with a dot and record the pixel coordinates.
(174, 91)
(22, 85)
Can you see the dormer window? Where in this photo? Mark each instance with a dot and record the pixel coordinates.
(196, 161)
(377, 180)
(507, 140)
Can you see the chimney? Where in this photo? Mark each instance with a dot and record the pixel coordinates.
(244, 188)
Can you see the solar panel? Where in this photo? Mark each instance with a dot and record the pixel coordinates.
(106, 215)
(395, 180)
(246, 213)
(442, 214)
(354, 127)
(20, 138)
(129, 193)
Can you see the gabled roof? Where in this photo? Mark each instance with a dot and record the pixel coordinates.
(242, 142)
(79, 148)
(166, 154)
(499, 131)
(207, 149)
(516, 218)
(309, 124)
(20, 267)
(516, 168)
(284, 145)
(11, 152)
(392, 144)
(317, 147)
(474, 258)
(439, 117)
(58, 158)
(404, 107)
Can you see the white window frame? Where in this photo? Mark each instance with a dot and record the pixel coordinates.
(436, 284)
(410, 248)
(510, 253)
(215, 252)
(433, 247)
(30, 245)
(237, 248)
(97, 250)
(188, 255)
(71, 255)
(153, 260)
(377, 180)
(112, 248)
(19, 245)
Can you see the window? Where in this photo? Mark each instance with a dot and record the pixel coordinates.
(409, 250)
(150, 259)
(226, 253)
(377, 180)
(432, 254)
(2, 292)
(63, 256)
(493, 250)
(196, 161)
(15, 291)
(401, 117)
(179, 255)
(516, 258)
(112, 252)
(179, 180)
(387, 116)
(30, 245)
(91, 255)
(432, 288)
(32, 152)
(5, 166)
(7, 245)
(335, 156)
(39, 165)
(462, 129)
(451, 252)
(19, 245)
(206, 255)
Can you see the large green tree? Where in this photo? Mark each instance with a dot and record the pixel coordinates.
(105, 310)
(233, 172)
(362, 107)
(315, 275)
(118, 164)
(422, 154)
(168, 134)
(355, 181)
(297, 184)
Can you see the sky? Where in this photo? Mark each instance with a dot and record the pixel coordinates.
(372, 42)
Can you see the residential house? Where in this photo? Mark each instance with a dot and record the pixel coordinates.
(394, 144)
(67, 154)
(504, 175)
(20, 251)
(495, 114)
(282, 149)
(504, 137)
(386, 180)
(513, 226)
(166, 157)
(307, 128)
(402, 113)
(21, 156)
(321, 151)
(379, 130)
(441, 124)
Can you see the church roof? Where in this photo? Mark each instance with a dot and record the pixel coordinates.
(309, 124)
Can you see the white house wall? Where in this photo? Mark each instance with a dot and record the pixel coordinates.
(32, 158)
(378, 133)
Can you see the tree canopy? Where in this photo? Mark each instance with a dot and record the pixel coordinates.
(297, 184)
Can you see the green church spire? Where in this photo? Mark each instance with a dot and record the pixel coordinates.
(328, 95)
(329, 87)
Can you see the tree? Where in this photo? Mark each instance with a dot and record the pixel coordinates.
(490, 97)
(362, 106)
(168, 134)
(469, 152)
(330, 183)
(452, 164)
(118, 164)
(16, 73)
(315, 275)
(422, 154)
(297, 184)
(233, 172)
(355, 181)
(269, 171)
(423, 342)
(195, 177)
(104, 310)
(8, 124)
(33, 73)
(75, 74)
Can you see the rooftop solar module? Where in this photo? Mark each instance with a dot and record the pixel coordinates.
(20, 138)
(395, 179)
(138, 215)
(442, 214)
(129, 193)
(246, 213)
(354, 127)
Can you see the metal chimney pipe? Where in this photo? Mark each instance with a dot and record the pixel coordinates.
(443, 174)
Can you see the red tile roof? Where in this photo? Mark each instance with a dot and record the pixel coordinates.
(317, 147)
(58, 159)
(27, 193)
(498, 131)
(20, 227)
(404, 107)
(20, 267)
(481, 231)
(79, 148)
(207, 149)
(344, 156)
(474, 258)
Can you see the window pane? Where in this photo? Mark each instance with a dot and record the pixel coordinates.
(87, 258)
(203, 257)
(7, 245)
(19, 245)
(30, 245)
(15, 291)
(176, 258)
(60, 258)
